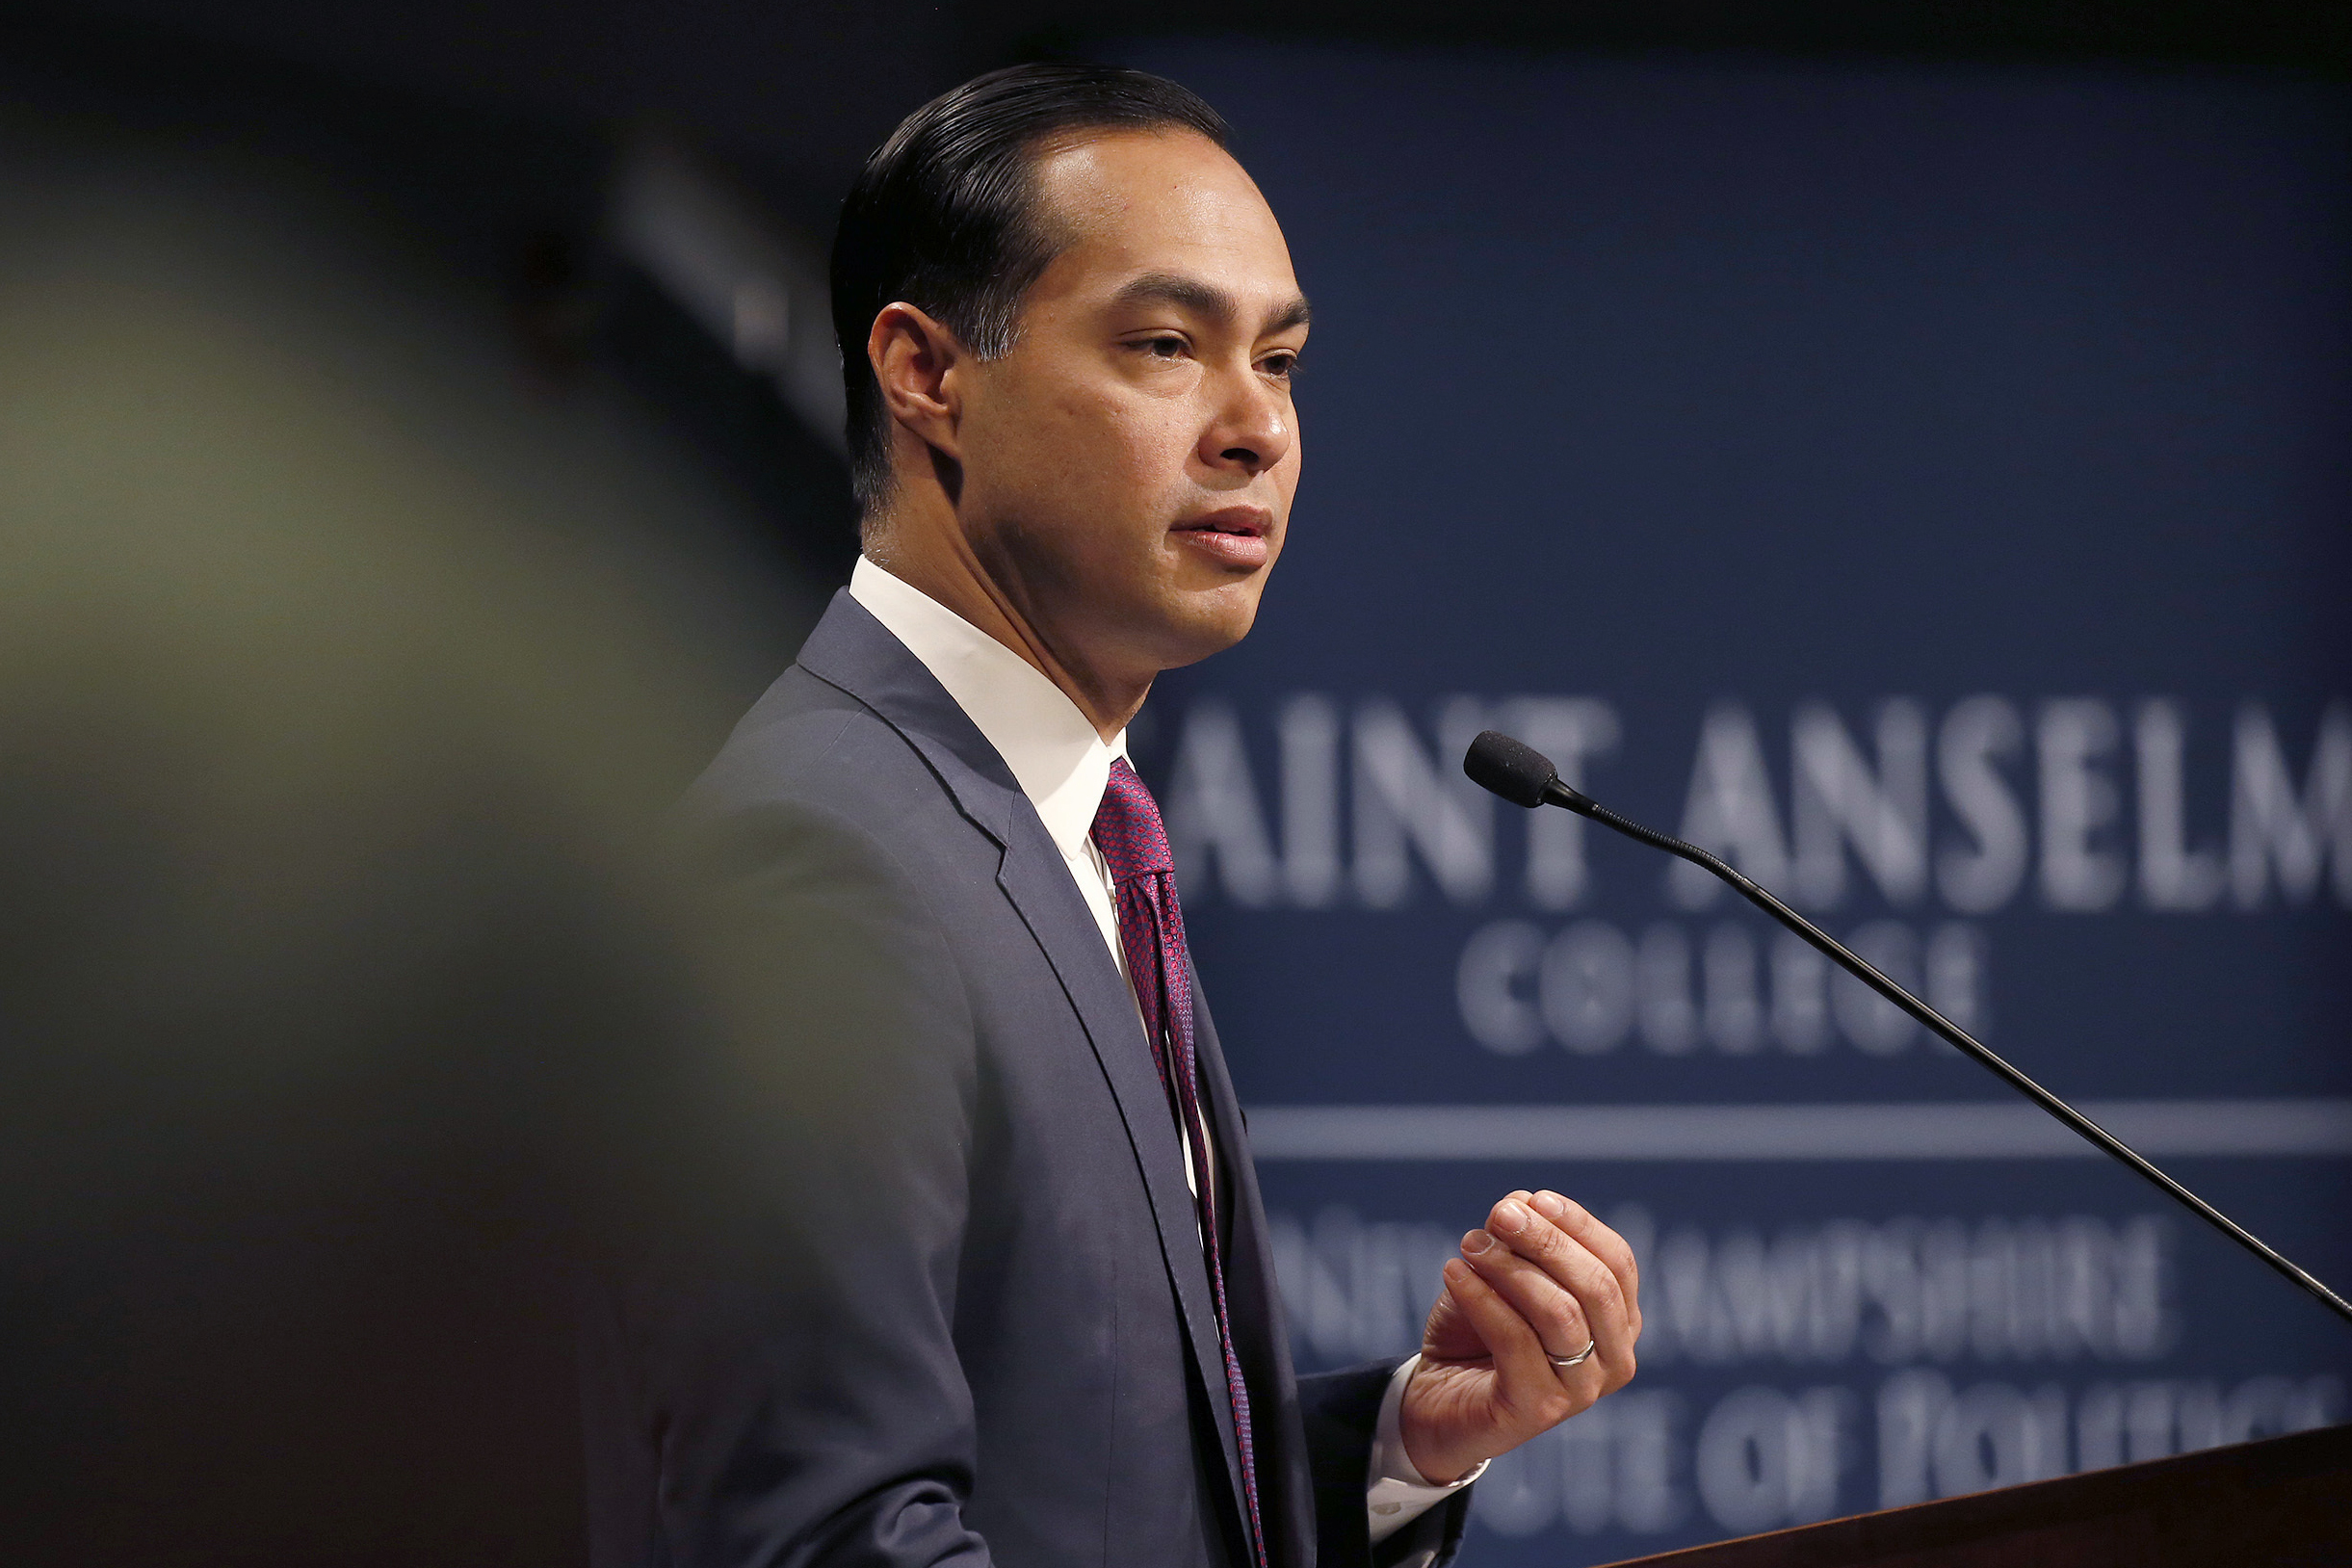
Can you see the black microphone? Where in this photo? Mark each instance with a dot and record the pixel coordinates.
(1525, 777)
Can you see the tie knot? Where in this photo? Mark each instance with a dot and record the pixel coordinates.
(1127, 828)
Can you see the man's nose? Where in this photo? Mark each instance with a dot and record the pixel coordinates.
(1252, 430)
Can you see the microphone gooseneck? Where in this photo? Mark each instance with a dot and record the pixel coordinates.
(1524, 776)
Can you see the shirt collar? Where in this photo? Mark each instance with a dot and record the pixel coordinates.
(1056, 757)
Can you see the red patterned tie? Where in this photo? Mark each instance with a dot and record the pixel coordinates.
(1135, 845)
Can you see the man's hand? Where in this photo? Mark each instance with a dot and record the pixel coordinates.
(1540, 1280)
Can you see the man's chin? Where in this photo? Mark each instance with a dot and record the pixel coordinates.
(1207, 622)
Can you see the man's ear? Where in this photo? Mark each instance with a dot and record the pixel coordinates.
(915, 362)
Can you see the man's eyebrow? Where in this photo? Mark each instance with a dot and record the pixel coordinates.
(1206, 299)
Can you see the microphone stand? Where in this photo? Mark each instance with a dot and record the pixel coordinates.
(1554, 792)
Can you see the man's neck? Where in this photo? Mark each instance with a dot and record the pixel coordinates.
(933, 555)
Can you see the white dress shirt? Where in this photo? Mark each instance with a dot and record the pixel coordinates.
(1064, 766)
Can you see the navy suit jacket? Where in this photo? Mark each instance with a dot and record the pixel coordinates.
(964, 1315)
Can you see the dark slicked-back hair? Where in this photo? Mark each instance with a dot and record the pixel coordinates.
(945, 217)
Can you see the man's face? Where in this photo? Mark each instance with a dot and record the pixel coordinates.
(1128, 468)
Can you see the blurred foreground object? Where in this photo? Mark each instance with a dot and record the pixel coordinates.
(336, 706)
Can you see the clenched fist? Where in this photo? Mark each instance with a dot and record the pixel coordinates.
(1542, 1281)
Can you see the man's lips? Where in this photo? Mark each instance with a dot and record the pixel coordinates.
(1254, 521)
(1234, 537)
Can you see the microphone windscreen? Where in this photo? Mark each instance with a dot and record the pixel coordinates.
(1511, 769)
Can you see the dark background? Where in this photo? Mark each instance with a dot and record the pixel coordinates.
(1677, 384)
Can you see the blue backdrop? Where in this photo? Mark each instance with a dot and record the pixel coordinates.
(1928, 486)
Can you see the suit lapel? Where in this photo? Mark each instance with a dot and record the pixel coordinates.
(1038, 882)
(852, 651)
(1253, 1305)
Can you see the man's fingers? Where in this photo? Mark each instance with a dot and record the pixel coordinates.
(1562, 1256)
(1560, 1286)
(1550, 1308)
(1525, 1371)
(1578, 1223)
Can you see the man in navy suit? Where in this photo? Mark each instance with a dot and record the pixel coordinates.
(996, 1285)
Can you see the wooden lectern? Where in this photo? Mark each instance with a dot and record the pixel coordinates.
(2282, 1500)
